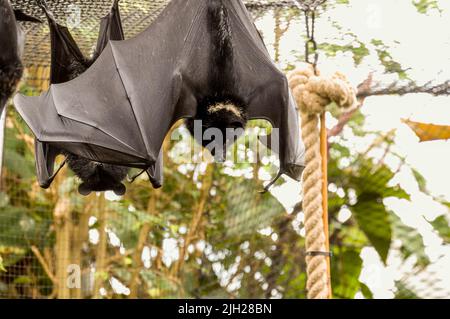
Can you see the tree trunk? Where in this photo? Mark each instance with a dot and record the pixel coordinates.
(142, 241)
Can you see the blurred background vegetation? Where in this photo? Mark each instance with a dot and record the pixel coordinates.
(208, 232)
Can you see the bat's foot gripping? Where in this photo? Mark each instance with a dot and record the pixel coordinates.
(85, 189)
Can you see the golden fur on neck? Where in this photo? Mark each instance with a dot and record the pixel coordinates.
(227, 107)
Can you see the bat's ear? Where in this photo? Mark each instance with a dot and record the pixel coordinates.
(120, 189)
(22, 16)
(84, 189)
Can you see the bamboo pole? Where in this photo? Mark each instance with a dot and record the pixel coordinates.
(80, 236)
(324, 154)
(63, 227)
(101, 262)
(142, 241)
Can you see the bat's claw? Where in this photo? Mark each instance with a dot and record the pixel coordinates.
(133, 178)
(272, 182)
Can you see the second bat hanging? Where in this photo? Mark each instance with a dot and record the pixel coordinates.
(200, 60)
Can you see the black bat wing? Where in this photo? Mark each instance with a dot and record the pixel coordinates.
(22, 16)
(266, 91)
(120, 109)
(11, 68)
(138, 88)
(65, 53)
(110, 29)
(53, 132)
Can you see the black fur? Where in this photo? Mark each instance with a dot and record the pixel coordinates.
(221, 78)
(75, 68)
(10, 76)
(96, 177)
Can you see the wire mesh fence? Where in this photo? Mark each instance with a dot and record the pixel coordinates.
(207, 233)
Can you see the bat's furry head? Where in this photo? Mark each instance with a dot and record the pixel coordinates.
(222, 116)
(97, 177)
(225, 115)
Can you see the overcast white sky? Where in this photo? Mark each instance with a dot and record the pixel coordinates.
(422, 43)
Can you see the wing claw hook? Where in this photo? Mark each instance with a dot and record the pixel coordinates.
(132, 179)
(51, 178)
(272, 182)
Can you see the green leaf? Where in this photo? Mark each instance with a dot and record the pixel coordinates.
(423, 6)
(375, 179)
(346, 268)
(387, 61)
(420, 180)
(412, 241)
(357, 48)
(404, 292)
(395, 191)
(441, 225)
(23, 280)
(367, 293)
(373, 219)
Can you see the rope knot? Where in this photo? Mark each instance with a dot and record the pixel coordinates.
(314, 92)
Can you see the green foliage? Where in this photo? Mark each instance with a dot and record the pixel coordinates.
(412, 241)
(421, 182)
(346, 268)
(424, 6)
(366, 291)
(404, 292)
(19, 165)
(373, 219)
(386, 60)
(442, 227)
(369, 183)
(248, 211)
(357, 48)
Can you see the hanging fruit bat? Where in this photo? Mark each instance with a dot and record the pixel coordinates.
(199, 60)
(12, 41)
(67, 63)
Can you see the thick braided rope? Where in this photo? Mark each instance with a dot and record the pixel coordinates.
(313, 93)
